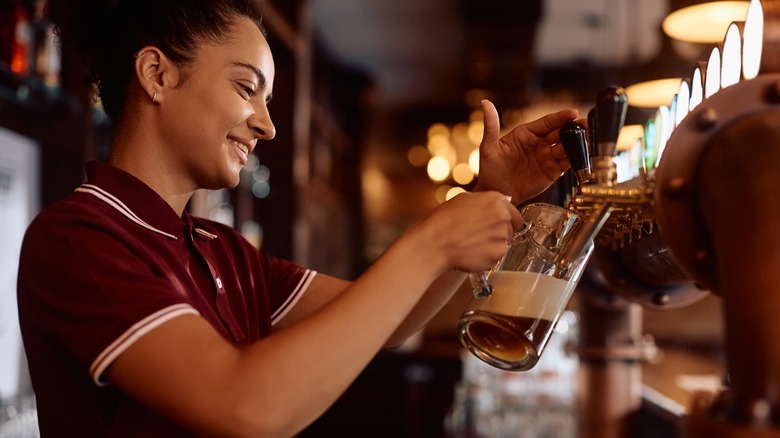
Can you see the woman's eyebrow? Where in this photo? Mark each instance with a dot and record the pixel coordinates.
(260, 76)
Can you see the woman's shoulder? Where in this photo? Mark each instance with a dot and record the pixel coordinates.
(76, 209)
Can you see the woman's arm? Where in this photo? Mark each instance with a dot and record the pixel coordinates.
(323, 289)
(280, 384)
(521, 164)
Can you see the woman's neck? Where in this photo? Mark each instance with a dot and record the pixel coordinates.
(140, 157)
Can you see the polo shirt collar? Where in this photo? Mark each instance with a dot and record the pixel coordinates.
(133, 198)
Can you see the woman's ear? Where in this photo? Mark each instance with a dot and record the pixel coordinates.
(155, 73)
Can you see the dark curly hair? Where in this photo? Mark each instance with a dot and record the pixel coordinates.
(109, 32)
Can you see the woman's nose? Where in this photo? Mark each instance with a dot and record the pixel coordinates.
(261, 123)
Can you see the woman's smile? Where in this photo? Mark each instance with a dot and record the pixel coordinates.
(243, 149)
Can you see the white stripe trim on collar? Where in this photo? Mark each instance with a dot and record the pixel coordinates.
(113, 201)
(205, 233)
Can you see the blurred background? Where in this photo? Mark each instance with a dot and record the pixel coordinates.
(429, 64)
(376, 105)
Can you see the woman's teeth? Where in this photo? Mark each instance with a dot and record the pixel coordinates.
(241, 146)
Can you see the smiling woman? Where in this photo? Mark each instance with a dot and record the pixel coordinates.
(205, 118)
(139, 319)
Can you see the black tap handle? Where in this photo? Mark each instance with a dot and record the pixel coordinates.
(611, 106)
(573, 139)
(593, 127)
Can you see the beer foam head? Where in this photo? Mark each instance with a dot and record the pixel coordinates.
(526, 294)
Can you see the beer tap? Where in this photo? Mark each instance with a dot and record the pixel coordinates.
(629, 249)
(592, 129)
(573, 139)
(630, 269)
(609, 115)
(611, 107)
(632, 199)
(612, 346)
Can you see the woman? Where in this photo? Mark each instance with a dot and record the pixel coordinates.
(140, 320)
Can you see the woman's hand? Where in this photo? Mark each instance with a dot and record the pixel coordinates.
(527, 160)
(469, 232)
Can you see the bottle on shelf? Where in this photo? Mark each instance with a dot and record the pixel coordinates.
(45, 55)
(15, 37)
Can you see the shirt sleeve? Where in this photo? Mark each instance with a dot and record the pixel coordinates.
(287, 284)
(92, 293)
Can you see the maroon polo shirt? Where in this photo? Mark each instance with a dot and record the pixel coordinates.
(112, 262)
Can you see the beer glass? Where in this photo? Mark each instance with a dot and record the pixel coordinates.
(516, 304)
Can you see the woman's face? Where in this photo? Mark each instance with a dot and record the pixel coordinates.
(214, 118)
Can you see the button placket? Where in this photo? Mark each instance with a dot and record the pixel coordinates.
(221, 299)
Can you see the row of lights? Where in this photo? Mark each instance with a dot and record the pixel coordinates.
(735, 55)
(705, 23)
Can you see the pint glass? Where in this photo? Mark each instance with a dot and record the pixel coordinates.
(516, 304)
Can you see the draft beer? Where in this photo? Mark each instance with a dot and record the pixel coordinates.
(509, 321)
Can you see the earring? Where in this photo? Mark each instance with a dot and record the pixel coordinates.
(154, 97)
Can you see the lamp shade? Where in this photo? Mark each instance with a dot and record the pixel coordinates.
(704, 23)
(652, 94)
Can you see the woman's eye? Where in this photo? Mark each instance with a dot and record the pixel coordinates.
(247, 91)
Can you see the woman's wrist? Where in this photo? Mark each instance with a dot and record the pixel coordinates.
(418, 247)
